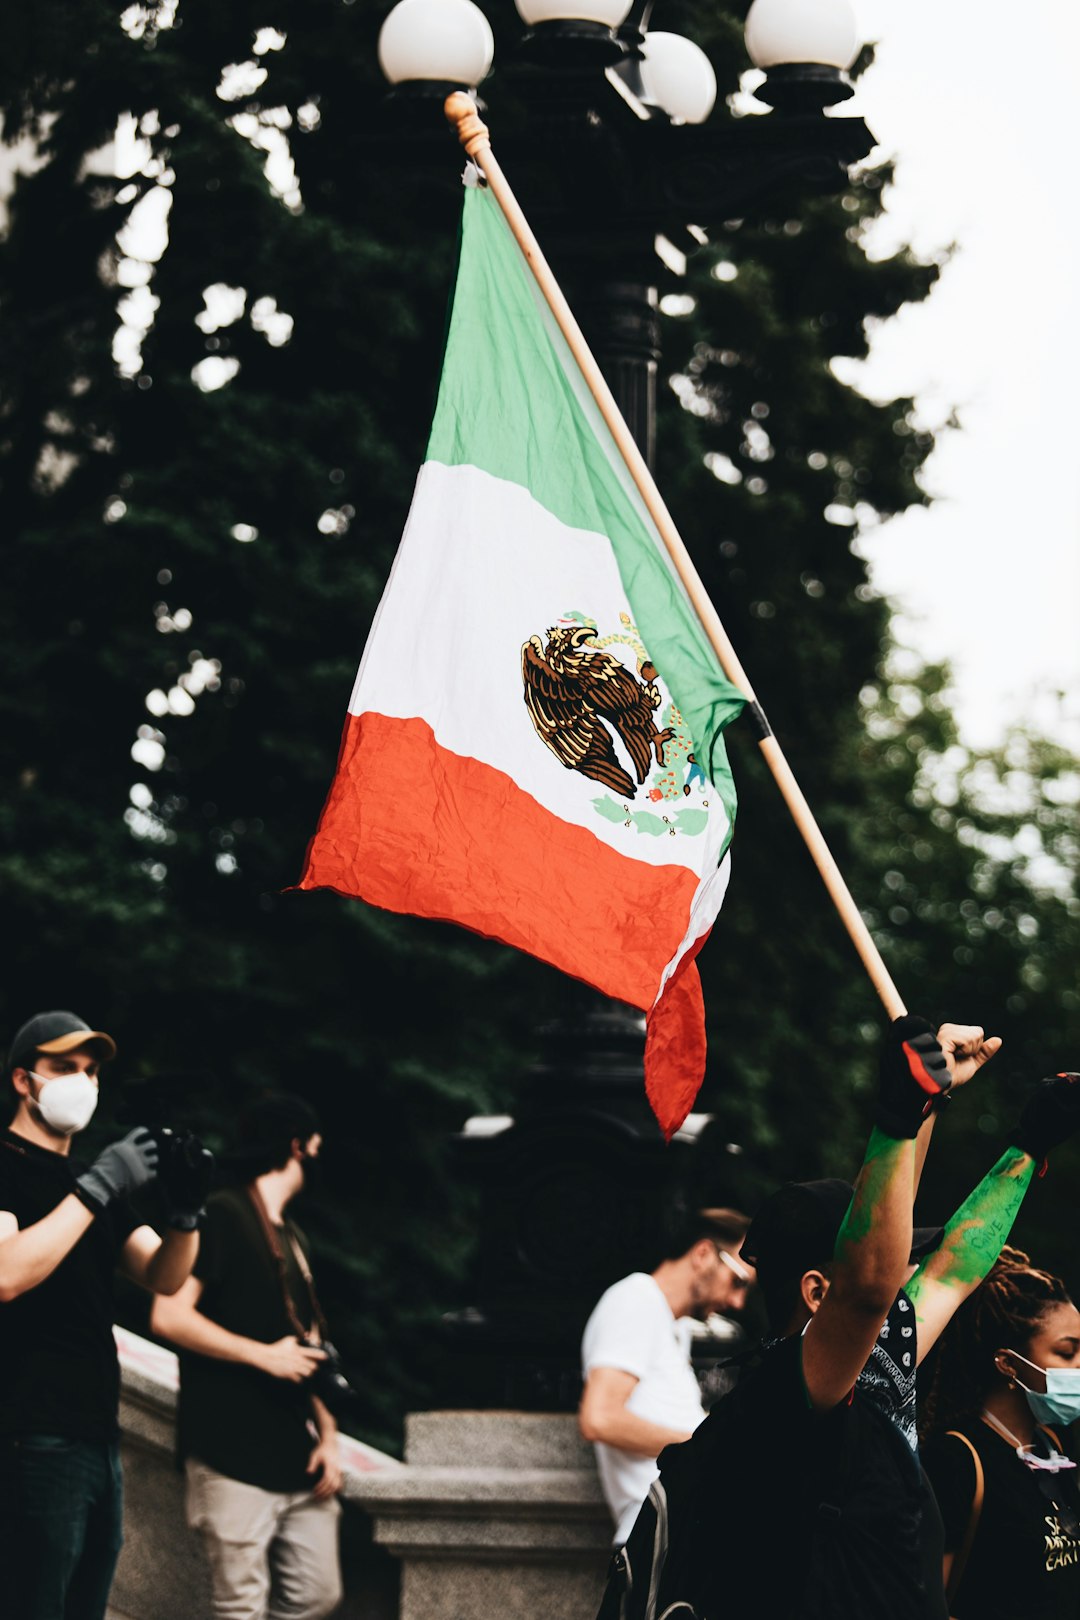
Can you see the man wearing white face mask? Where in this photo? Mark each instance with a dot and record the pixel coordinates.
(64, 1228)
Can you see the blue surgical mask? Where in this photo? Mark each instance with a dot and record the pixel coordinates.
(1061, 1402)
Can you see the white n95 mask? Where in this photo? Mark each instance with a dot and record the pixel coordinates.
(66, 1102)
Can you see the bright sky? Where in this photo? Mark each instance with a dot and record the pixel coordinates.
(978, 104)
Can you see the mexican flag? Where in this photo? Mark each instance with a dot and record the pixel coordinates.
(533, 745)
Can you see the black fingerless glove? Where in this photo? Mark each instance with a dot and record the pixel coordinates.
(1050, 1116)
(912, 1075)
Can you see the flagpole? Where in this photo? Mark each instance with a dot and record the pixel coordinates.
(474, 137)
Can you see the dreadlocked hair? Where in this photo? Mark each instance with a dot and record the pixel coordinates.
(1003, 1313)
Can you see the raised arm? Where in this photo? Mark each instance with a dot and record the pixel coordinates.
(30, 1254)
(966, 1047)
(164, 1264)
(159, 1264)
(975, 1235)
(872, 1249)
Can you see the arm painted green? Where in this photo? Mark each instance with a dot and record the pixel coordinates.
(975, 1235)
(884, 1156)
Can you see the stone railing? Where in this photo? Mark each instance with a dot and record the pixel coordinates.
(496, 1514)
(162, 1572)
(493, 1515)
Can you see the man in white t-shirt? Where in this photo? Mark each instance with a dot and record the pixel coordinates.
(640, 1392)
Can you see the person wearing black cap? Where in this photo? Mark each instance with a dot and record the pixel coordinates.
(64, 1227)
(258, 1445)
(808, 1467)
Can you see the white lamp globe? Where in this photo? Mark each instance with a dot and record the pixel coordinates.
(780, 33)
(609, 13)
(678, 76)
(448, 40)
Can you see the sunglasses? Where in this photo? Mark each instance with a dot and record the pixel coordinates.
(742, 1272)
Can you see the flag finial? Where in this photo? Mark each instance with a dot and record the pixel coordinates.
(472, 132)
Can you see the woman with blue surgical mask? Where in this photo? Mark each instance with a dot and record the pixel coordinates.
(997, 1448)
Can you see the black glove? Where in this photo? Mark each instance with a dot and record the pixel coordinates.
(912, 1073)
(1050, 1116)
(121, 1169)
(184, 1176)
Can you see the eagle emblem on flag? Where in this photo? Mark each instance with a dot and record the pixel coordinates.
(575, 691)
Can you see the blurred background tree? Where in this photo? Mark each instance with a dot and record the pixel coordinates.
(222, 325)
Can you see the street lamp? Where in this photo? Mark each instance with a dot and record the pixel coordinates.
(632, 105)
(436, 42)
(780, 32)
(602, 13)
(805, 48)
(677, 77)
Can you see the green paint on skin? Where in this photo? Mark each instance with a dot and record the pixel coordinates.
(883, 1156)
(976, 1234)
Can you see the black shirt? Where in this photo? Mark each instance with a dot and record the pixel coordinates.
(59, 1372)
(237, 1420)
(829, 1513)
(1024, 1561)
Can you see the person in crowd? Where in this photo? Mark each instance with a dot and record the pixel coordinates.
(641, 1393)
(809, 1464)
(258, 1445)
(65, 1226)
(1005, 1389)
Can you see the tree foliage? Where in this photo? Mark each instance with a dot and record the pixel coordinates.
(199, 516)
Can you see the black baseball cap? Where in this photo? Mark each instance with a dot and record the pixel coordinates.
(796, 1228)
(56, 1032)
(924, 1240)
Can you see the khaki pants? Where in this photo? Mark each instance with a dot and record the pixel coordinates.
(272, 1556)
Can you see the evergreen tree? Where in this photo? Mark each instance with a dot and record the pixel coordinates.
(199, 517)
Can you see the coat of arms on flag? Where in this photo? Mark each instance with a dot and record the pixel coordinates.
(575, 691)
(537, 675)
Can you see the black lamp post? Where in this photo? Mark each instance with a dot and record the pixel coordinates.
(608, 142)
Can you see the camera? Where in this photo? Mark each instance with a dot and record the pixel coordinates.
(329, 1383)
(185, 1167)
(181, 1153)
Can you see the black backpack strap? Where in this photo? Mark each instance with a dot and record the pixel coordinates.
(658, 1498)
(630, 1573)
(616, 1592)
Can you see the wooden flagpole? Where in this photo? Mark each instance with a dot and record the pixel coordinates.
(474, 137)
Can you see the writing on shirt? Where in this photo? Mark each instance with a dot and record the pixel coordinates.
(1062, 1549)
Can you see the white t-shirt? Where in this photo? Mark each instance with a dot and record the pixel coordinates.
(632, 1330)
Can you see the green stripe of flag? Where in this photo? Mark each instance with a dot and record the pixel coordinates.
(507, 364)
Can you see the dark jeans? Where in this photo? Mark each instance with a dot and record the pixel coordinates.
(61, 1526)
